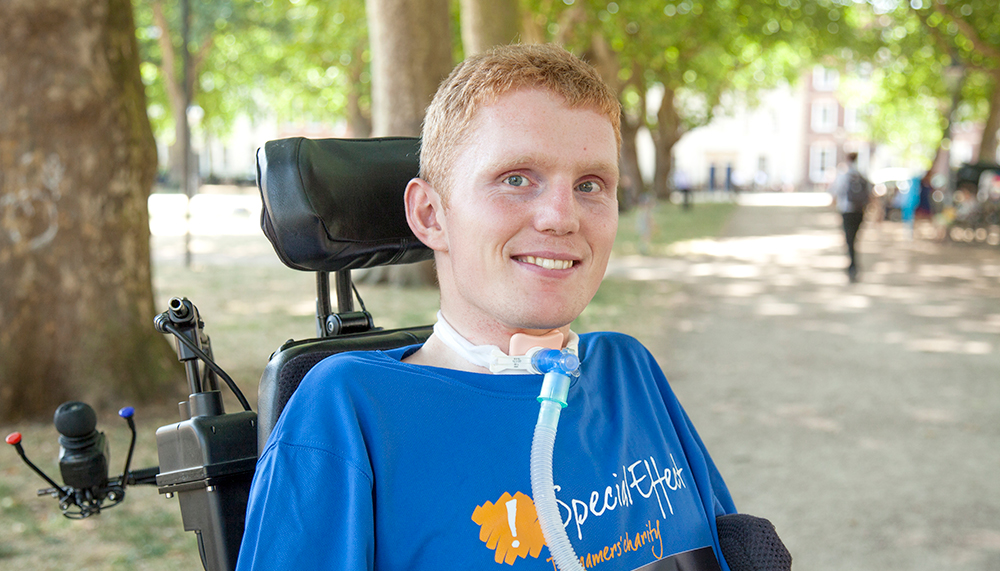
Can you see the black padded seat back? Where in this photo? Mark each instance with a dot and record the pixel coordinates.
(290, 363)
(337, 204)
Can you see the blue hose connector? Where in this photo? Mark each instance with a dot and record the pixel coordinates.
(564, 362)
(558, 366)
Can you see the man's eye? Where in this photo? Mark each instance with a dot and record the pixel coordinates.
(516, 180)
(589, 186)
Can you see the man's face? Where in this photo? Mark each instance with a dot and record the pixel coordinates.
(531, 216)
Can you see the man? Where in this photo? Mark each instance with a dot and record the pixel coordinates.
(851, 192)
(417, 458)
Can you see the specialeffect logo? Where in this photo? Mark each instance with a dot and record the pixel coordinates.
(510, 527)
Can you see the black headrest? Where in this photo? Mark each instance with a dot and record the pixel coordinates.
(337, 204)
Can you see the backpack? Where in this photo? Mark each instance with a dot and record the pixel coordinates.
(858, 191)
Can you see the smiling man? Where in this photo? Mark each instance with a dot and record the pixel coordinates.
(522, 226)
(417, 458)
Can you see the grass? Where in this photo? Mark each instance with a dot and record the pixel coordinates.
(251, 304)
(669, 223)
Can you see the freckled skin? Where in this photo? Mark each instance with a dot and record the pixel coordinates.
(534, 188)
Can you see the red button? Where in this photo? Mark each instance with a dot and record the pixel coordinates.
(14, 438)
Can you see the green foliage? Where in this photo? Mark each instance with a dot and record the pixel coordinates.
(299, 59)
(700, 49)
(324, 62)
(306, 61)
(926, 51)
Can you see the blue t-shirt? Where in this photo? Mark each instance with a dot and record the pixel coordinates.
(379, 464)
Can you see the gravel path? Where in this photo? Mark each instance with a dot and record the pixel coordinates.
(862, 419)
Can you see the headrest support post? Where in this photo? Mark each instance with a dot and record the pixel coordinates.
(323, 306)
(345, 291)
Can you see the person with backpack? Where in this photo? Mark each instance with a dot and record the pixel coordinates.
(851, 192)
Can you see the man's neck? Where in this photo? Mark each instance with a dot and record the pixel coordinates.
(436, 352)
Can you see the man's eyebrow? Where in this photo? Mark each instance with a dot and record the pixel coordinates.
(526, 161)
(605, 167)
(503, 164)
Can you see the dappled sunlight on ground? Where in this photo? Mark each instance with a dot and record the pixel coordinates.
(860, 418)
(783, 250)
(801, 274)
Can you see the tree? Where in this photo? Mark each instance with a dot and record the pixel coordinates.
(942, 56)
(218, 30)
(488, 23)
(300, 61)
(966, 34)
(696, 57)
(329, 56)
(77, 161)
(179, 66)
(411, 55)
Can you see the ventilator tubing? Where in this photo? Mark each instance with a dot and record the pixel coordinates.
(558, 366)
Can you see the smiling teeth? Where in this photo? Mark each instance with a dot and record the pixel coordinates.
(547, 263)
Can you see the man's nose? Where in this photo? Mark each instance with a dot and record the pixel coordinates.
(558, 211)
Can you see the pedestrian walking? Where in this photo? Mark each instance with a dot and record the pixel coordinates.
(851, 192)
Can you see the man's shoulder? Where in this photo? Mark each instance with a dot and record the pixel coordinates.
(349, 368)
(345, 382)
(611, 342)
(613, 337)
(362, 359)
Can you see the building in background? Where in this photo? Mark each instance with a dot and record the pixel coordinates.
(793, 140)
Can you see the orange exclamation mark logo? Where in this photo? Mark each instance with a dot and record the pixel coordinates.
(511, 521)
(510, 527)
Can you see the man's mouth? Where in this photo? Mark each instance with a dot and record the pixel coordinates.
(547, 263)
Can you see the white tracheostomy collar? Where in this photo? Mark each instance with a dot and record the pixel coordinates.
(490, 356)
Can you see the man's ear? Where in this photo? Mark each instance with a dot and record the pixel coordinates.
(425, 214)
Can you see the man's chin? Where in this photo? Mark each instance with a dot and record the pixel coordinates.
(540, 322)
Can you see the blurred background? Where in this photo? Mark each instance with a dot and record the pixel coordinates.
(127, 168)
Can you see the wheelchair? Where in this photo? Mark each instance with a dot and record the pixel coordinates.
(330, 206)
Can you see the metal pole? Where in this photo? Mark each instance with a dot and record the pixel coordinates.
(186, 128)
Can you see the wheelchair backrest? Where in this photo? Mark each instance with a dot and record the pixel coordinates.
(333, 205)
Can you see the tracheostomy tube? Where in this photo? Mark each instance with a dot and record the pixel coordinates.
(558, 367)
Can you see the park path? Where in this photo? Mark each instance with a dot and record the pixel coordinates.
(862, 419)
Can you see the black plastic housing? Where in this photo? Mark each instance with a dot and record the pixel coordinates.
(208, 463)
(83, 462)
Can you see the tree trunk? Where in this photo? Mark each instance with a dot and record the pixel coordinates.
(359, 121)
(668, 132)
(630, 185)
(77, 160)
(175, 82)
(488, 23)
(988, 146)
(411, 55)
